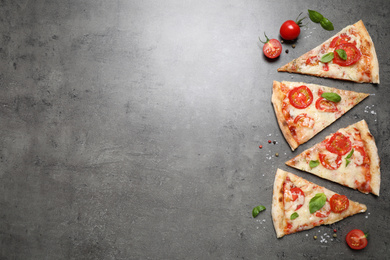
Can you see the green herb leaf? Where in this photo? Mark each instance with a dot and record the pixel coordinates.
(317, 202)
(331, 96)
(347, 162)
(314, 164)
(315, 16)
(326, 24)
(257, 210)
(342, 54)
(350, 154)
(294, 216)
(327, 57)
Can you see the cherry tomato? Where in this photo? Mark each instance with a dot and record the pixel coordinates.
(342, 38)
(304, 120)
(272, 48)
(296, 193)
(313, 60)
(339, 203)
(300, 97)
(290, 29)
(339, 144)
(356, 239)
(329, 161)
(326, 105)
(359, 149)
(353, 55)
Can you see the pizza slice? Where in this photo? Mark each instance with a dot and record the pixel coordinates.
(348, 157)
(298, 204)
(303, 110)
(349, 55)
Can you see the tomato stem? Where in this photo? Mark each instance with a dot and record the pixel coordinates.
(299, 22)
(265, 37)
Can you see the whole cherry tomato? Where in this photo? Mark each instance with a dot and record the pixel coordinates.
(272, 48)
(290, 29)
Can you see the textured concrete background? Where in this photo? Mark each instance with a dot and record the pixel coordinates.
(130, 129)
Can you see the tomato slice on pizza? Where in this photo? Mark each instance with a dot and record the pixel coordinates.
(348, 157)
(298, 205)
(348, 55)
(303, 110)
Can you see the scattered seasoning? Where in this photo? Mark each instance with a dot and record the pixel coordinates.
(276, 154)
(282, 41)
(286, 51)
(269, 141)
(335, 230)
(315, 237)
(274, 141)
(334, 235)
(293, 46)
(260, 146)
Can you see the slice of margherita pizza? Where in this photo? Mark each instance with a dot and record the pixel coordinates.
(348, 157)
(349, 55)
(298, 204)
(303, 110)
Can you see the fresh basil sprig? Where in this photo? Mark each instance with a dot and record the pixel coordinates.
(327, 57)
(342, 54)
(257, 210)
(331, 96)
(319, 18)
(317, 202)
(294, 216)
(314, 164)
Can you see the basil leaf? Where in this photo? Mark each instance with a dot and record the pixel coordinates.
(342, 54)
(257, 210)
(326, 24)
(331, 96)
(314, 164)
(327, 57)
(347, 162)
(294, 216)
(315, 16)
(317, 202)
(350, 154)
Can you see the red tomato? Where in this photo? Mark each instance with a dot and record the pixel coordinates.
(330, 162)
(343, 38)
(290, 30)
(339, 203)
(300, 97)
(360, 150)
(353, 55)
(313, 60)
(304, 120)
(356, 239)
(296, 193)
(272, 48)
(339, 144)
(326, 105)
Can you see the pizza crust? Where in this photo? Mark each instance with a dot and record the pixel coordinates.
(372, 153)
(277, 101)
(278, 212)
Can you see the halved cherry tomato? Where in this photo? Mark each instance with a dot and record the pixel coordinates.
(304, 120)
(330, 161)
(343, 38)
(300, 97)
(339, 144)
(324, 211)
(326, 105)
(339, 203)
(356, 239)
(296, 193)
(353, 55)
(272, 48)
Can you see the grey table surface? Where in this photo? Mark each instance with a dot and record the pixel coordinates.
(131, 129)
